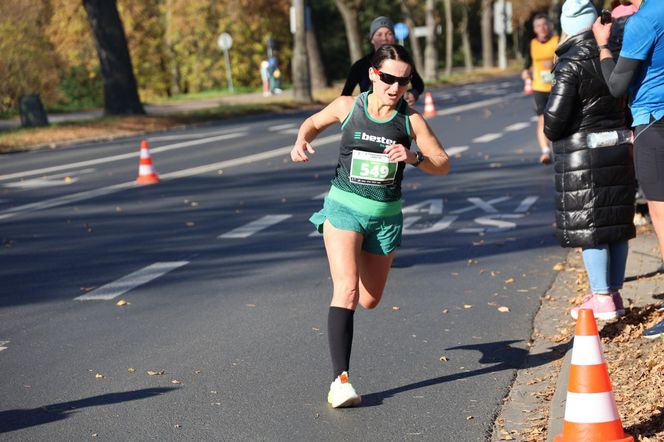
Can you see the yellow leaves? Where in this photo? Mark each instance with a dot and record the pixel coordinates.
(503, 309)
(121, 303)
(468, 306)
(131, 370)
(396, 308)
(559, 267)
(99, 376)
(509, 281)
(156, 372)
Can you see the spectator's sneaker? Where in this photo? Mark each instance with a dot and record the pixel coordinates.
(655, 331)
(342, 393)
(602, 306)
(618, 302)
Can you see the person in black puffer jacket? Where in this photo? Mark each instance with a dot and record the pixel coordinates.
(594, 173)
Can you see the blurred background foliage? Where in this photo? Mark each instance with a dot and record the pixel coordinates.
(46, 46)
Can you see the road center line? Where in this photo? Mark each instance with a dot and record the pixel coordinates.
(81, 196)
(124, 156)
(131, 281)
(255, 226)
(477, 104)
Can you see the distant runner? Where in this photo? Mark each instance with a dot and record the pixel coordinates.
(539, 59)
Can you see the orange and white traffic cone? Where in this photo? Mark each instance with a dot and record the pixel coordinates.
(146, 172)
(429, 108)
(591, 414)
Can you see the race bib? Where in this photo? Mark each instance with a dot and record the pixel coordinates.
(547, 77)
(373, 169)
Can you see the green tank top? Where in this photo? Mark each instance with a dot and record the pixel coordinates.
(363, 169)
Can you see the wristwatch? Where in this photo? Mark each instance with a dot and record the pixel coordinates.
(419, 158)
(603, 47)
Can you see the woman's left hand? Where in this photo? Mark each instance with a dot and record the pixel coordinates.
(398, 153)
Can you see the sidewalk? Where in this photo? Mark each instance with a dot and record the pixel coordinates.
(535, 406)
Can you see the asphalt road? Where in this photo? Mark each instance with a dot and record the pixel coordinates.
(227, 286)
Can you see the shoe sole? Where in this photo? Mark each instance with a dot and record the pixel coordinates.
(348, 402)
(602, 316)
(660, 335)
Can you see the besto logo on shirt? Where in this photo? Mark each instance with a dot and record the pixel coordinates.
(384, 142)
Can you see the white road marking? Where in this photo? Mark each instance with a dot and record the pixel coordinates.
(190, 136)
(534, 119)
(320, 196)
(477, 104)
(131, 281)
(110, 159)
(455, 150)
(255, 226)
(292, 131)
(62, 179)
(526, 204)
(487, 138)
(281, 127)
(479, 203)
(2, 345)
(81, 196)
(516, 126)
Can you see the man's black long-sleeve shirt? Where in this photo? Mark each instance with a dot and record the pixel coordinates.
(359, 74)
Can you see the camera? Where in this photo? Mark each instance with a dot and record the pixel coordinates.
(606, 17)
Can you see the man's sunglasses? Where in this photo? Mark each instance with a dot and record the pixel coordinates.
(391, 79)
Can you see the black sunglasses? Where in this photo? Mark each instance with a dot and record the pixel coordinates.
(391, 79)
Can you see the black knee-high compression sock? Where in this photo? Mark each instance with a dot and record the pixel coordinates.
(340, 336)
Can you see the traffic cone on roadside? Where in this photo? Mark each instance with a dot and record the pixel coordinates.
(146, 172)
(429, 108)
(591, 414)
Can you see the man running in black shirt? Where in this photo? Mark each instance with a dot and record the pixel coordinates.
(381, 33)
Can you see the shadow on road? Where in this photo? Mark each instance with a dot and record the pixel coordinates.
(12, 420)
(501, 353)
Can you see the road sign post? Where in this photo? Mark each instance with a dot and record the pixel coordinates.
(401, 32)
(225, 42)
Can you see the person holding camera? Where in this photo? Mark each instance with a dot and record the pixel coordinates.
(639, 70)
(594, 172)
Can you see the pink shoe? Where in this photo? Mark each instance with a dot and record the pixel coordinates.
(618, 301)
(603, 307)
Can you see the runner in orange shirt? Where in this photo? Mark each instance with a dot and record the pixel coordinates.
(539, 60)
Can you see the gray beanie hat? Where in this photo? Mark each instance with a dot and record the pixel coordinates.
(380, 22)
(577, 16)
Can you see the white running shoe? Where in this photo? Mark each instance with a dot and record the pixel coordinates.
(342, 393)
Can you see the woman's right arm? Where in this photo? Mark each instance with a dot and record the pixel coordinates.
(560, 107)
(335, 112)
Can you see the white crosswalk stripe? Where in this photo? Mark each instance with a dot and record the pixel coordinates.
(255, 226)
(131, 281)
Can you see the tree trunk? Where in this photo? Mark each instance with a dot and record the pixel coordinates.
(301, 80)
(516, 43)
(349, 10)
(414, 42)
(449, 36)
(120, 92)
(487, 34)
(430, 52)
(316, 69)
(465, 39)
